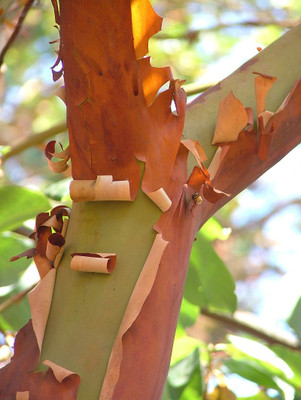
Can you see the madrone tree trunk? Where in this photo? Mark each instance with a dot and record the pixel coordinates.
(141, 191)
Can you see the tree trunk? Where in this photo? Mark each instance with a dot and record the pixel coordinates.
(115, 331)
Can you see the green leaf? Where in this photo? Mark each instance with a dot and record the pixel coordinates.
(212, 230)
(257, 352)
(58, 190)
(193, 390)
(258, 396)
(209, 283)
(17, 315)
(293, 360)
(294, 320)
(182, 347)
(188, 313)
(12, 244)
(181, 372)
(252, 372)
(184, 380)
(275, 360)
(18, 204)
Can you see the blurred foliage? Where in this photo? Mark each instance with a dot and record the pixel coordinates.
(203, 41)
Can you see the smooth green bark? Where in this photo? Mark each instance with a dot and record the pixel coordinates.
(87, 308)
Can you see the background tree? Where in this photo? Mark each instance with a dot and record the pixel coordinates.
(209, 303)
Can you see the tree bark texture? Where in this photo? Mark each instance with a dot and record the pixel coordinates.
(115, 331)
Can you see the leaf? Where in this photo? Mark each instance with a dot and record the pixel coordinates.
(294, 320)
(58, 190)
(18, 204)
(18, 314)
(293, 360)
(258, 353)
(209, 283)
(257, 396)
(192, 391)
(184, 381)
(12, 244)
(252, 372)
(181, 372)
(212, 230)
(188, 313)
(182, 347)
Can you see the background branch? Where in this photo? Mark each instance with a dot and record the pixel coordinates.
(15, 299)
(237, 325)
(193, 34)
(34, 140)
(16, 30)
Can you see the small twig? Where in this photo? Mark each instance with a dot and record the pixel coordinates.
(193, 34)
(239, 326)
(16, 30)
(257, 223)
(33, 140)
(196, 88)
(16, 298)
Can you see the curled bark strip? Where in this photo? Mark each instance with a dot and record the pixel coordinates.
(64, 155)
(22, 395)
(27, 253)
(49, 246)
(138, 297)
(232, 118)
(263, 83)
(103, 263)
(43, 265)
(200, 180)
(179, 96)
(40, 300)
(217, 159)
(56, 75)
(56, 11)
(61, 93)
(160, 198)
(59, 372)
(102, 189)
(152, 79)
(265, 140)
(145, 23)
(196, 149)
(18, 377)
(250, 123)
(54, 244)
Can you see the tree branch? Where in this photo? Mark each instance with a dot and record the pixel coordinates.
(16, 30)
(193, 34)
(196, 88)
(237, 325)
(261, 221)
(201, 114)
(34, 140)
(16, 298)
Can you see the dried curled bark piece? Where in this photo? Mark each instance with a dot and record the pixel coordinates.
(63, 156)
(49, 245)
(93, 262)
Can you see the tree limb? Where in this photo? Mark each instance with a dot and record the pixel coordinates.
(34, 140)
(193, 34)
(237, 325)
(15, 299)
(261, 221)
(16, 30)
